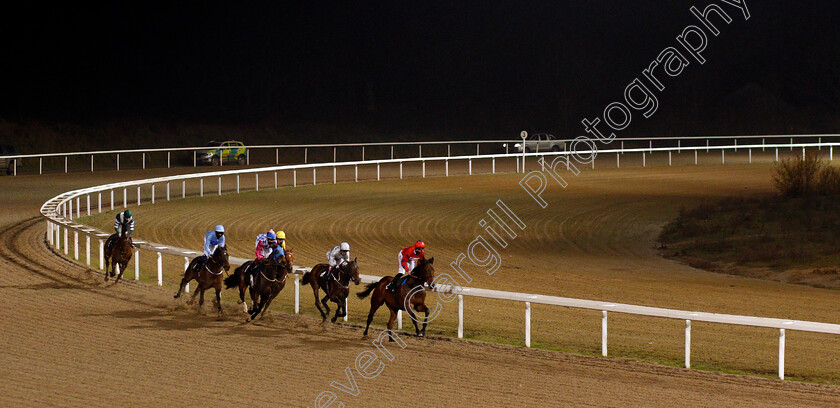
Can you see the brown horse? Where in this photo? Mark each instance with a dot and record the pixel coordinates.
(209, 276)
(240, 278)
(117, 254)
(407, 296)
(335, 289)
(276, 276)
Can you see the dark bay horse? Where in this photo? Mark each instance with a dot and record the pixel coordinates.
(266, 284)
(339, 287)
(423, 273)
(240, 278)
(117, 254)
(209, 276)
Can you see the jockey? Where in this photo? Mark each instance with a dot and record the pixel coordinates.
(408, 258)
(338, 255)
(266, 247)
(212, 240)
(124, 222)
(281, 239)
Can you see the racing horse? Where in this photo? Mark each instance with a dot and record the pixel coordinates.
(117, 254)
(406, 297)
(336, 289)
(210, 275)
(267, 284)
(241, 278)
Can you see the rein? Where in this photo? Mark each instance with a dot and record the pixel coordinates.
(273, 280)
(221, 269)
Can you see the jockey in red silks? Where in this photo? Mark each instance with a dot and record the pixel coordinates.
(408, 258)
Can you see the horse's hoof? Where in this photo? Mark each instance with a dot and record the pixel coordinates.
(421, 335)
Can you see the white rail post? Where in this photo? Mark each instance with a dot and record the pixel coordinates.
(460, 316)
(49, 232)
(201, 187)
(424, 168)
(167, 191)
(622, 147)
(183, 188)
(186, 266)
(777, 154)
(749, 151)
(57, 240)
(297, 294)
(736, 145)
(277, 156)
(70, 205)
(617, 161)
(819, 143)
(377, 171)
(314, 177)
(76, 245)
(167, 160)
(153, 193)
(695, 157)
(401, 171)
(651, 146)
(791, 144)
(78, 207)
(762, 144)
(137, 264)
(256, 181)
(476, 150)
(100, 201)
(237, 184)
(160, 268)
(118, 162)
(363, 153)
(781, 354)
(722, 157)
(101, 254)
(125, 197)
(420, 151)
(91, 163)
(220, 185)
(275, 180)
(305, 155)
(65, 163)
(392, 152)
(66, 246)
(707, 145)
(803, 152)
(346, 314)
(40, 165)
(679, 146)
(138, 196)
(688, 344)
(356, 172)
(294, 178)
(334, 154)
(470, 166)
(399, 319)
(87, 249)
(831, 153)
(493, 166)
(528, 324)
(144, 160)
(669, 158)
(88, 205)
(643, 159)
(604, 333)
(247, 157)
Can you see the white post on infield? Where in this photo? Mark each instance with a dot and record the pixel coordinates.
(781, 354)
(335, 177)
(346, 314)
(528, 324)
(160, 269)
(153, 193)
(138, 196)
(88, 205)
(220, 185)
(76, 245)
(275, 180)
(523, 135)
(256, 181)
(66, 249)
(167, 191)
(314, 177)
(101, 254)
(469, 166)
(186, 266)
(424, 169)
(100, 201)
(460, 316)
(183, 188)
(604, 333)
(688, 344)
(125, 197)
(356, 172)
(297, 294)
(643, 159)
(399, 319)
(237, 184)
(201, 187)
(70, 205)
(87, 248)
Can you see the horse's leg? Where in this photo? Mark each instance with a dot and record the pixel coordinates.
(425, 319)
(218, 287)
(268, 303)
(122, 270)
(375, 304)
(338, 309)
(391, 320)
(315, 290)
(413, 316)
(186, 279)
(258, 307)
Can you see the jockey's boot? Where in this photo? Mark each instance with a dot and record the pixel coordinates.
(392, 287)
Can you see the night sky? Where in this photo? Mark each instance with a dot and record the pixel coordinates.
(469, 69)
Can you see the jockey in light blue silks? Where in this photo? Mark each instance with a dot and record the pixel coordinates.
(212, 240)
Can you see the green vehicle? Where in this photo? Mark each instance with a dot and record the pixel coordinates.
(224, 152)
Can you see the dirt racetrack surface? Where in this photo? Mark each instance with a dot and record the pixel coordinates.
(71, 340)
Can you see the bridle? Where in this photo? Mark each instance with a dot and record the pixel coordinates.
(221, 267)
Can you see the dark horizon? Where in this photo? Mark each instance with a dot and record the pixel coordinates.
(488, 69)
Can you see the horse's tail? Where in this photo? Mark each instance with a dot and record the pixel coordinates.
(370, 287)
(232, 281)
(306, 277)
